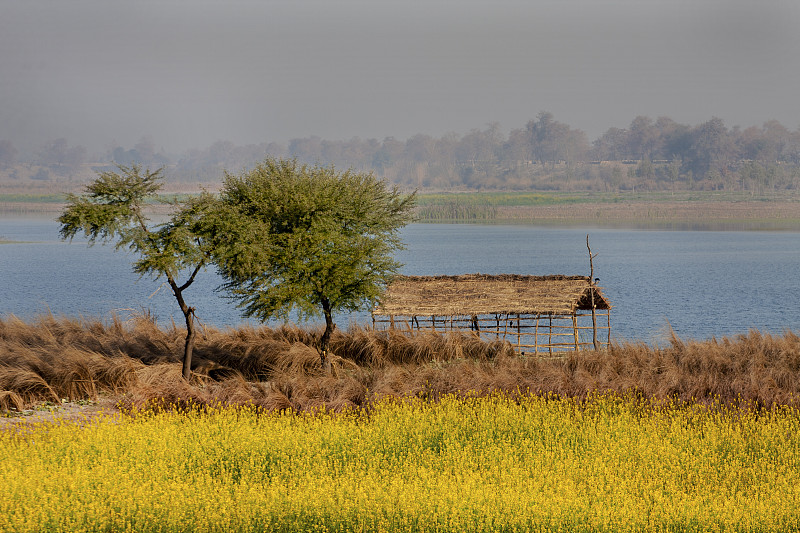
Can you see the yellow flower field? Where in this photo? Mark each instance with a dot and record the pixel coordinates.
(474, 464)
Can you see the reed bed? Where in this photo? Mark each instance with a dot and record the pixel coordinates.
(51, 359)
(465, 463)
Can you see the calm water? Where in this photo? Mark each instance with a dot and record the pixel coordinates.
(703, 284)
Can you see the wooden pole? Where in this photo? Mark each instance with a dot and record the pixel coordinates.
(591, 293)
(575, 330)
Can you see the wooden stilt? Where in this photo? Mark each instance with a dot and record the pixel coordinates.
(575, 330)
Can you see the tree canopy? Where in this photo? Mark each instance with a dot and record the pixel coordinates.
(288, 236)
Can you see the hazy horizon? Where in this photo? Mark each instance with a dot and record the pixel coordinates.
(186, 74)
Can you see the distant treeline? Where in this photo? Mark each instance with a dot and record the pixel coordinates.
(545, 154)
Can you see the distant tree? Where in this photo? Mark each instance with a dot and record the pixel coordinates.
(480, 146)
(421, 148)
(60, 157)
(112, 210)
(145, 151)
(643, 138)
(552, 141)
(645, 168)
(712, 147)
(389, 154)
(142, 153)
(287, 236)
(517, 147)
(612, 145)
(8, 154)
(308, 150)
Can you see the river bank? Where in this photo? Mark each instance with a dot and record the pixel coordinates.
(685, 212)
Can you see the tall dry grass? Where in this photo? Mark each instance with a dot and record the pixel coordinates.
(136, 362)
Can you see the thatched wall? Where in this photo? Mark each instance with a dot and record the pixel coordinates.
(480, 294)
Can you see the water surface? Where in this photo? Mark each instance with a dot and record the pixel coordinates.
(702, 284)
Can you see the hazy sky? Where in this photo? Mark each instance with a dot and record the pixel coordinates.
(190, 72)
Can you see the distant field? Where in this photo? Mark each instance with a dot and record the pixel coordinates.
(683, 210)
(644, 210)
(46, 203)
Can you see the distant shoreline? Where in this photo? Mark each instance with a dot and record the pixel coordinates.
(700, 211)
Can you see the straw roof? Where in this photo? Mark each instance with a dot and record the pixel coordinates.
(478, 294)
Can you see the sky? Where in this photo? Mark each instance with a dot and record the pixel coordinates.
(188, 73)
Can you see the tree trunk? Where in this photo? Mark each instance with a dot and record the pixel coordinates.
(189, 345)
(188, 315)
(326, 336)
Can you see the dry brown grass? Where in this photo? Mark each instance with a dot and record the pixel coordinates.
(138, 363)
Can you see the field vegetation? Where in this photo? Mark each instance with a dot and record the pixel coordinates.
(482, 464)
(410, 432)
(682, 210)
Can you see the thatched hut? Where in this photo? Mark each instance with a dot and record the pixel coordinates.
(537, 314)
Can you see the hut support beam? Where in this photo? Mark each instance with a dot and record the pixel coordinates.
(575, 330)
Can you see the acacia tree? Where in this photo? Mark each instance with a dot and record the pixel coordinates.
(112, 210)
(290, 237)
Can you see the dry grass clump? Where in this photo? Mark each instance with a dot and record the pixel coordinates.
(137, 363)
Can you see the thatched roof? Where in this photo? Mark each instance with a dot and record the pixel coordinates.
(478, 294)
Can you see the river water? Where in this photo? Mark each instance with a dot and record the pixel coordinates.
(701, 284)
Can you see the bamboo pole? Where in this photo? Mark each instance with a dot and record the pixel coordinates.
(575, 330)
(591, 289)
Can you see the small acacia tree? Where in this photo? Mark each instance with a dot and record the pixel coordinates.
(111, 210)
(290, 237)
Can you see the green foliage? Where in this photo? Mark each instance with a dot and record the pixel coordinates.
(293, 237)
(112, 210)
